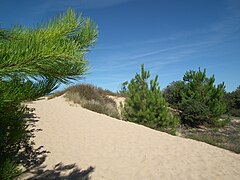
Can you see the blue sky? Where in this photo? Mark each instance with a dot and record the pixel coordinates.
(168, 36)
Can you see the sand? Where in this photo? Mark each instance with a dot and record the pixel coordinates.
(119, 150)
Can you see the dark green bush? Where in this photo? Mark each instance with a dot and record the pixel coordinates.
(172, 93)
(233, 102)
(145, 103)
(201, 101)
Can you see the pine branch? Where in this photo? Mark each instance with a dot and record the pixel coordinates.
(62, 43)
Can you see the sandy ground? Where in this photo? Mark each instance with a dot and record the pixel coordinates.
(121, 150)
(119, 102)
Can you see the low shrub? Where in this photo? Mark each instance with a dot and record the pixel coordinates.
(215, 140)
(108, 109)
(226, 137)
(93, 98)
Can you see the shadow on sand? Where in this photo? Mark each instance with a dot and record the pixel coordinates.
(33, 160)
(62, 172)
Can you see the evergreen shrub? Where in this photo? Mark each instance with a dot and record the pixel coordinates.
(145, 103)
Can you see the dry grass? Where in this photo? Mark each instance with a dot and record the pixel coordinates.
(92, 98)
(227, 137)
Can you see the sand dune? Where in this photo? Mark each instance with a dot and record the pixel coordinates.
(121, 150)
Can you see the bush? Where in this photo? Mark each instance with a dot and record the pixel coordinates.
(145, 103)
(93, 98)
(233, 102)
(172, 93)
(201, 101)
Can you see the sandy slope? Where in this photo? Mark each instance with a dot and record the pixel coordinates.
(123, 150)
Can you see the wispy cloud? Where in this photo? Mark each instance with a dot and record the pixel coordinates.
(157, 57)
(60, 5)
(44, 7)
(202, 42)
(182, 47)
(90, 4)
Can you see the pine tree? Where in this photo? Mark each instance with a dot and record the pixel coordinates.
(33, 61)
(202, 102)
(145, 103)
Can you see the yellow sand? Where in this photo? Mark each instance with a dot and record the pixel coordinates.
(121, 150)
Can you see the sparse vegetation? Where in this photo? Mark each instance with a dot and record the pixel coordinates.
(227, 137)
(92, 98)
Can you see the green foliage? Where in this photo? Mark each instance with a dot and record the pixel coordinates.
(63, 42)
(201, 101)
(233, 102)
(9, 170)
(14, 134)
(93, 98)
(172, 93)
(32, 63)
(145, 103)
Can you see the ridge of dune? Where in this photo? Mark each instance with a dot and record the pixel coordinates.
(123, 150)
